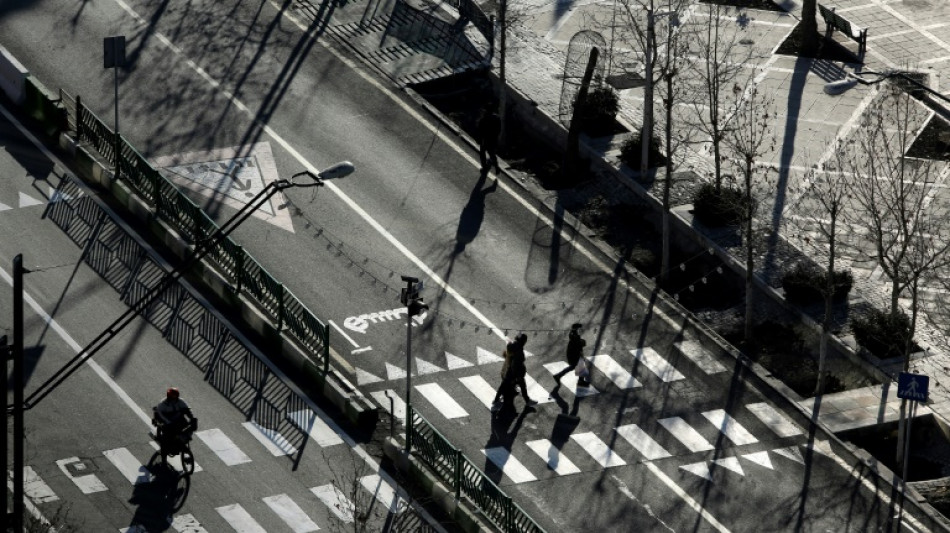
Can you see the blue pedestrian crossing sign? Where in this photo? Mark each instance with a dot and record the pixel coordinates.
(912, 386)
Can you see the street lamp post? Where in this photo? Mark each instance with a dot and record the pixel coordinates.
(202, 248)
(413, 302)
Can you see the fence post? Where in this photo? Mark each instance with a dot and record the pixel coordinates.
(326, 350)
(458, 474)
(118, 155)
(508, 515)
(409, 429)
(280, 306)
(79, 132)
(239, 267)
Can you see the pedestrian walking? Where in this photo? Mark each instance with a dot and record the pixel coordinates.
(513, 374)
(489, 127)
(575, 354)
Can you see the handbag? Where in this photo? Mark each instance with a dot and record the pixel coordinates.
(581, 369)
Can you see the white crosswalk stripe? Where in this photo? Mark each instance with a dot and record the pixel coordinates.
(336, 501)
(318, 430)
(397, 408)
(700, 357)
(186, 523)
(553, 457)
(536, 392)
(223, 447)
(480, 388)
(128, 466)
(442, 400)
(37, 489)
(385, 493)
(174, 461)
(569, 380)
(615, 372)
(686, 434)
(729, 427)
(597, 449)
(642, 442)
(777, 422)
(657, 364)
(291, 513)
(275, 443)
(508, 465)
(87, 483)
(239, 519)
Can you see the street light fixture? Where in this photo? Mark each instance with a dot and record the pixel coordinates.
(202, 247)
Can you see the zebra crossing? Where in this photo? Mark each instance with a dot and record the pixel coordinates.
(29, 200)
(87, 477)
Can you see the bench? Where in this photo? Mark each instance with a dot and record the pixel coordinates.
(834, 21)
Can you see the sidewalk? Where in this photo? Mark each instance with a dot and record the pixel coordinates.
(901, 35)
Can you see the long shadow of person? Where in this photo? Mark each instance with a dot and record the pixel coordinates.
(159, 499)
(470, 220)
(505, 425)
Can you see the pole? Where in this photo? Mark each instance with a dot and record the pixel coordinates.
(647, 133)
(117, 138)
(18, 429)
(5, 351)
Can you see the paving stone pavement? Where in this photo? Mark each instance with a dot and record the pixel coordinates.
(907, 34)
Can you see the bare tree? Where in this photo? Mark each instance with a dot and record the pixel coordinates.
(750, 137)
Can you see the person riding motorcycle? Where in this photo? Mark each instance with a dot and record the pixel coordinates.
(173, 416)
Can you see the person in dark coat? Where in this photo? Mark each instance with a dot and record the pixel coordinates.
(513, 373)
(489, 127)
(575, 350)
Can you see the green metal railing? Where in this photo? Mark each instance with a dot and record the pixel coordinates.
(239, 268)
(466, 479)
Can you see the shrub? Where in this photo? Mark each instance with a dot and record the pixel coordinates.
(719, 208)
(599, 109)
(806, 283)
(882, 333)
(630, 152)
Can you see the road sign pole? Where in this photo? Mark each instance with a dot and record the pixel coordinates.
(19, 435)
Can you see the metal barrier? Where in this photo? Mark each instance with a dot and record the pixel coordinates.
(463, 477)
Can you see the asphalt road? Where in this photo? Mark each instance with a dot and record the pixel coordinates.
(666, 440)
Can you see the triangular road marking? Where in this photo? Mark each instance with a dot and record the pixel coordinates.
(823, 447)
(454, 361)
(528, 354)
(363, 377)
(760, 458)
(57, 195)
(4, 207)
(732, 463)
(485, 357)
(425, 367)
(699, 469)
(394, 372)
(28, 201)
(792, 453)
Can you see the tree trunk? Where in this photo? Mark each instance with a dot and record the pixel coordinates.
(750, 252)
(668, 184)
(829, 298)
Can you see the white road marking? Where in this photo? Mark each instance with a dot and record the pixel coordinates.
(536, 392)
(336, 501)
(186, 523)
(657, 364)
(4, 207)
(275, 443)
(398, 405)
(760, 458)
(175, 460)
(394, 372)
(693, 504)
(730, 427)
(313, 425)
(35, 488)
(424, 367)
(341, 332)
(569, 380)
(480, 388)
(442, 400)
(553, 457)
(730, 463)
(291, 513)
(700, 469)
(614, 371)
(129, 466)
(364, 378)
(598, 450)
(644, 443)
(485, 357)
(384, 492)
(87, 483)
(453, 362)
(776, 421)
(792, 452)
(686, 434)
(239, 519)
(700, 356)
(223, 447)
(28, 201)
(508, 465)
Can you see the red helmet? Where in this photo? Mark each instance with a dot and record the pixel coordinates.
(172, 393)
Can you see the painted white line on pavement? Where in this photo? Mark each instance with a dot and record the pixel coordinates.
(615, 371)
(644, 443)
(87, 483)
(291, 513)
(384, 492)
(553, 457)
(186, 523)
(223, 447)
(700, 356)
(730, 427)
(341, 332)
(239, 519)
(657, 364)
(336, 501)
(35, 488)
(174, 461)
(536, 392)
(275, 443)
(129, 466)
(398, 409)
(480, 388)
(508, 465)
(693, 504)
(776, 421)
(442, 400)
(315, 427)
(686, 434)
(597, 449)
(569, 380)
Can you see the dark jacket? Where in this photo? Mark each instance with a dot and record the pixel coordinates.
(575, 348)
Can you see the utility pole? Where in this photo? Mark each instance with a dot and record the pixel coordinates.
(5, 351)
(413, 302)
(19, 434)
